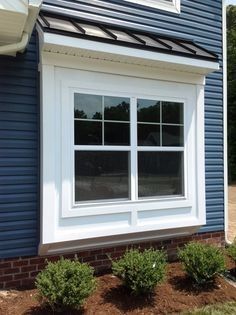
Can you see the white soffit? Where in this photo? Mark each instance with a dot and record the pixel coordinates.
(67, 45)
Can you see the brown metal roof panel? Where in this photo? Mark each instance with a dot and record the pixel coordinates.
(63, 25)
(70, 26)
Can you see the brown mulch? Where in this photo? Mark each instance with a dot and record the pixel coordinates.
(177, 294)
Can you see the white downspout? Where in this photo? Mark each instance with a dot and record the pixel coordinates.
(33, 11)
(224, 35)
(13, 48)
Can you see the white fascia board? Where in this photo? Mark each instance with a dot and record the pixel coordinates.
(77, 46)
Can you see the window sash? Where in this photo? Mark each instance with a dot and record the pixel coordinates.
(133, 149)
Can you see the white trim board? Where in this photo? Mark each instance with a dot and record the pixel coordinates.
(170, 6)
(119, 68)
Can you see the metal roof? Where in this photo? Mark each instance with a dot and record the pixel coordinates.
(123, 36)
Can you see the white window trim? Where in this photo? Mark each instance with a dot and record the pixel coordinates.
(69, 208)
(60, 223)
(173, 6)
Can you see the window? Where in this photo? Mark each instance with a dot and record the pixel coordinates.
(115, 141)
(167, 5)
(103, 123)
(123, 155)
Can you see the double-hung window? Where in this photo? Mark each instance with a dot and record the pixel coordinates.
(127, 148)
(122, 156)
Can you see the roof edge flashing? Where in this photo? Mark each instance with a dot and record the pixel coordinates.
(61, 44)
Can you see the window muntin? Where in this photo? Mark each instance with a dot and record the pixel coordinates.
(102, 122)
(160, 123)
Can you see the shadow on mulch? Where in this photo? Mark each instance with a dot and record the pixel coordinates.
(125, 302)
(41, 310)
(185, 284)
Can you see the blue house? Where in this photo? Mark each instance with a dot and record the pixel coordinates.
(112, 129)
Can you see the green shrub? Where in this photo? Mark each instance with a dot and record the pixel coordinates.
(141, 271)
(202, 262)
(231, 251)
(65, 284)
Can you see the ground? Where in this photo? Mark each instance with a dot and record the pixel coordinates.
(232, 212)
(176, 295)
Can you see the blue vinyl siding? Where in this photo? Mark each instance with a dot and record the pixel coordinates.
(200, 20)
(19, 107)
(19, 152)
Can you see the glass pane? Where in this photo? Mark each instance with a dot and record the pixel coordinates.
(116, 133)
(88, 106)
(160, 174)
(172, 136)
(88, 132)
(148, 110)
(172, 113)
(101, 175)
(116, 108)
(148, 135)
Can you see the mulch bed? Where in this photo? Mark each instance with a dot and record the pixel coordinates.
(177, 294)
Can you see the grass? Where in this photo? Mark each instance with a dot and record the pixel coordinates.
(218, 309)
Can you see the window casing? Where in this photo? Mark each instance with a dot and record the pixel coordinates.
(90, 221)
(134, 89)
(167, 5)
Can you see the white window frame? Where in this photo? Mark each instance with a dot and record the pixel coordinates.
(110, 223)
(72, 209)
(133, 150)
(171, 6)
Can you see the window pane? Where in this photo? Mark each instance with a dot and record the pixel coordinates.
(172, 136)
(88, 132)
(148, 135)
(148, 110)
(116, 108)
(101, 175)
(88, 106)
(116, 133)
(172, 113)
(160, 174)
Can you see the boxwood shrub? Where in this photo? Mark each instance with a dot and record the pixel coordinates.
(141, 271)
(231, 251)
(65, 284)
(202, 262)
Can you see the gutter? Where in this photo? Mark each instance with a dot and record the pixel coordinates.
(33, 11)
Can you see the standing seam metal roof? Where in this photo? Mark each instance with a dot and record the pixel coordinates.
(123, 36)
